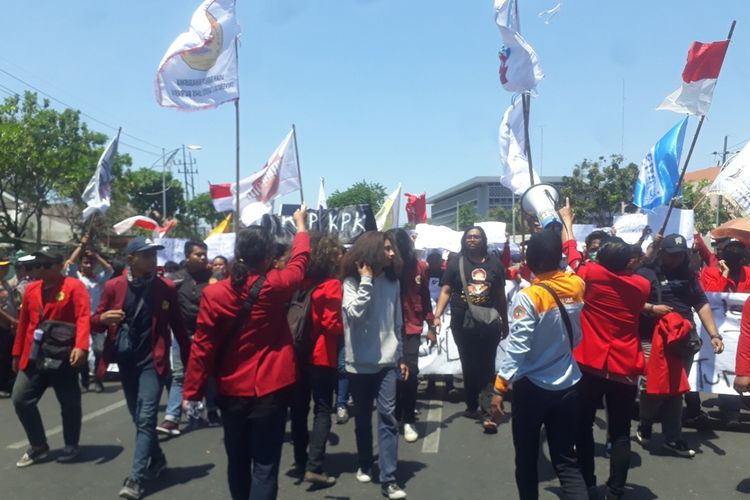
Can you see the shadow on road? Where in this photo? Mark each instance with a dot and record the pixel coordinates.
(178, 475)
(98, 454)
(744, 486)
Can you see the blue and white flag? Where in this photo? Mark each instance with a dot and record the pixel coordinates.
(660, 170)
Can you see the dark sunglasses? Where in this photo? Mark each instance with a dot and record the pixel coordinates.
(39, 265)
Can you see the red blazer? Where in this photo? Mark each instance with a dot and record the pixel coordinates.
(68, 301)
(415, 298)
(167, 316)
(609, 320)
(742, 368)
(326, 324)
(713, 281)
(665, 373)
(259, 359)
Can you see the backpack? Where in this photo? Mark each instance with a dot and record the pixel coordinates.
(299, 317)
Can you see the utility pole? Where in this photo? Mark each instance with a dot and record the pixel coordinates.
(163, 186)
(187, 164)
(718, 198)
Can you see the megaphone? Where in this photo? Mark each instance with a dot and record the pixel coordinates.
(540, 201)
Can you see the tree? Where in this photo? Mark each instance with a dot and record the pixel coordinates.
(467, 216)
(597, 189)
(359, 193)
(501, 214)
(694, 197)
(202, 207)
(144, 189)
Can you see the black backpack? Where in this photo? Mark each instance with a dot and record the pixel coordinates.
(299, 318)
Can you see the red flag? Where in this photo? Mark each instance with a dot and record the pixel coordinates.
(704, 61)
(416, 208)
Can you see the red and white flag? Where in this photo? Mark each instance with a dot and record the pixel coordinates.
(416, 208)
(698, 79)
(146, 223)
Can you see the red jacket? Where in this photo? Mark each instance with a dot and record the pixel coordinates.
(666, 374)
(415, 298)
(326, 325)
(67, 301)
(166, 315)
(706, 254)
(259, 359)
(713, 281)
(742, 368)
(609, 320)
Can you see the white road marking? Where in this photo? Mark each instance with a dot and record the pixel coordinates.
(58, 429)
(431, 441)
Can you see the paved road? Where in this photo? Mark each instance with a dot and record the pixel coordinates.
(454, 461)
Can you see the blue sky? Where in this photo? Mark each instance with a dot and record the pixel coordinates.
(388, 90)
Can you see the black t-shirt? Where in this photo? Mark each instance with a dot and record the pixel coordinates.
(485, 283)
(189, 290)
(682, 294)
(140, 324)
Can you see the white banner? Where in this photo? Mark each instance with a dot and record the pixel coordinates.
(174, 250)
(221, 245)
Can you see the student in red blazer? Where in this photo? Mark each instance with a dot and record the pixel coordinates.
(56, 298)
(254, 366)
(742, 367)
(146, 305)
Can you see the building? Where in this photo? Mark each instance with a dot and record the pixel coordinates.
(485, 193)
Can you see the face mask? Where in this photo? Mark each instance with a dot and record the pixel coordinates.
(592, 255)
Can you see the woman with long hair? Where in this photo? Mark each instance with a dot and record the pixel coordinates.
(242, 338)
(482, 284)
(372, 330)
(417, 308)
(318, 368)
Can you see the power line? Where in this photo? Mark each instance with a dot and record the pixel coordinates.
(92, 118)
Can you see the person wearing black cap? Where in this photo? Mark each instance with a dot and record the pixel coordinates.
(674, 289)
(57, 298)
(138, 309)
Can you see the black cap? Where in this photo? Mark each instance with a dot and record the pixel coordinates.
(674, 243)
(141, 244)
(47, 253)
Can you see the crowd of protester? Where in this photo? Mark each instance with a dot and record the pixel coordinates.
(249, 343)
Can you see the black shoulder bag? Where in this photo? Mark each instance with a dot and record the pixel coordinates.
(478, 318)
(58, 341)
(563, 312)
(247, 306)
(124, 348)
(687, 346)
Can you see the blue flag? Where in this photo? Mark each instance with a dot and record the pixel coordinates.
(660, 170)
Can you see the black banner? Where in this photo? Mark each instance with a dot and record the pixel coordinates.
(345, 222)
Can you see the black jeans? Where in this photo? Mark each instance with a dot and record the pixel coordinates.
(620, 399)
(320, 382)
(28, 390)
(558, 411)
(252, 440)
(477, 351)
(406, 390)
(6, 359)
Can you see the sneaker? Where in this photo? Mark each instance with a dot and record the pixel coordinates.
(643, 435)
(33, 456)
(489, 426)
(342, 415)
(474, 414)
(131, 489)
(363, 476)
(697, 421)
(410, 433)
(4, 394)
(213, 418)
(194, 423)
(393, 491)
(68, 454)
(168, 428)
(156, 467)
(319, 479)
(98, 387)
(679, 448)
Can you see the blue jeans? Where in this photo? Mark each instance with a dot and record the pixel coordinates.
(380, 387)
(175, 384)
(142, 388)
(342, 392)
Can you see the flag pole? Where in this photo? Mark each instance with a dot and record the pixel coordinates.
(687, 159)
(299, 169)
(237, 148)
(526, 101)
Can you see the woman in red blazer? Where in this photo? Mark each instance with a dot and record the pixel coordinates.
(254, 365)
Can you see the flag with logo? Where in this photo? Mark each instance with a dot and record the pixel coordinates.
(199, 69)
(519, 64)
(416, 208)
(387, 216)
(513, 159)
(698, 79)
(322, 200)
(660, 170)
(734, 181)
(98, 192)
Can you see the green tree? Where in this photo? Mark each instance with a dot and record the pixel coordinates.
(144, 191)
(467, 216)
(694, 198)
(359, 193)
(501, 214)
(202, 207)
(598, 188)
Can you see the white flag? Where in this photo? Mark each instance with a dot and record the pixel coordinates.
(513, 150)
(322, 200)
(199, 70)
(734, 181)
(387, 216)
(98, 192)
(519, 64)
